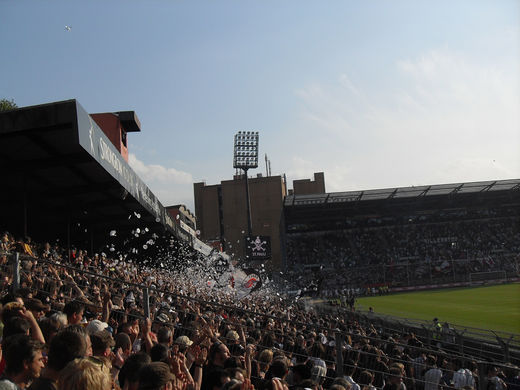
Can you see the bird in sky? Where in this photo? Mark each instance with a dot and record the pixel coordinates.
(68, 28)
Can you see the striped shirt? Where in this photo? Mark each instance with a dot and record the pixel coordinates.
(463, 377)
(432, 377)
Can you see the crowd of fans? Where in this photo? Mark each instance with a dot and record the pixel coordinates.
(419, 251)
(89, 321)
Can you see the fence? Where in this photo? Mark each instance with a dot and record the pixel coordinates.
(354, 341)
(336, 277)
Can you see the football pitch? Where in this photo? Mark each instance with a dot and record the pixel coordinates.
(492, 307)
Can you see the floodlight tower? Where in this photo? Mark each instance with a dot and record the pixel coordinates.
(245, 156)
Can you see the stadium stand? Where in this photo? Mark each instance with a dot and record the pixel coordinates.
(395, 241)
(211, 340)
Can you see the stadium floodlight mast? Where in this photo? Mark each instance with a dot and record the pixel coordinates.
(245, 156)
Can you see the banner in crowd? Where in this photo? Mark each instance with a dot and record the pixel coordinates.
(258, 247)
(245, 281)
(187, 228)
(201, 247)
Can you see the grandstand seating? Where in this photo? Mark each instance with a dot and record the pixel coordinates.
(416, 251)
(268, 320)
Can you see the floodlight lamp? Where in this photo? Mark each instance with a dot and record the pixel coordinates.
(246, 150)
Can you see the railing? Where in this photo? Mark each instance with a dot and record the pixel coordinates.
(411, 275)
(467, 341)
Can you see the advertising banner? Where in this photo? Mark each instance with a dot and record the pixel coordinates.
(97, 144)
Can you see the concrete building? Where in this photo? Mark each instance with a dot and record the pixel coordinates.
(309, 187)
(222, 214)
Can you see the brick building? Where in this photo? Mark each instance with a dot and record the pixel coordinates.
(222, 216)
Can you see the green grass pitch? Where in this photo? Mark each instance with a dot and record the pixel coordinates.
(492, 307)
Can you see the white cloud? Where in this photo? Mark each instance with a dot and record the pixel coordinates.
(447, 118)
(347, 83)
(301, 168)
(170, 185)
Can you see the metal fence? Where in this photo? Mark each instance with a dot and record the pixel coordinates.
(413, 273)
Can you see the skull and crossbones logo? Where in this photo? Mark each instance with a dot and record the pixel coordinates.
(259, 244)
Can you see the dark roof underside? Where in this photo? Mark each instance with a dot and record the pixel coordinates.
(54, 187)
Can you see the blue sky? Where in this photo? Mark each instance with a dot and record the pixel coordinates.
(375, 94)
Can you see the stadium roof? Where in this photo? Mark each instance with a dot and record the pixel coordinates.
(403, 192)
(62, 176)
(333, 210)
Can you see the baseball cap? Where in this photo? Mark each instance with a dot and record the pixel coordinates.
(183, 340)
(95, 326)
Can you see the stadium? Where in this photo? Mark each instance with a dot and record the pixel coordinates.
(105, 253)
(407, 238)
